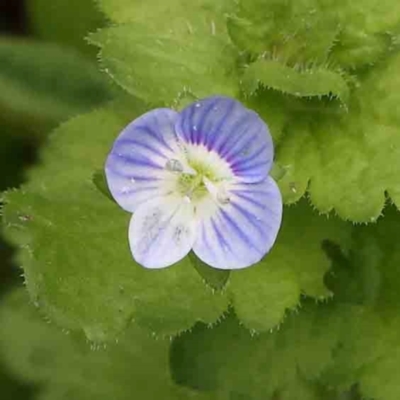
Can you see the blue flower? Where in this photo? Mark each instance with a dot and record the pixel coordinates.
(197, 180)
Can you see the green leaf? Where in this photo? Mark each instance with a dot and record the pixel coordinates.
(316, 81)
(47, 83)
(348, 161)
(48, 21)
(159, 61)
(66, 367)
(73, 243)
(296, 264)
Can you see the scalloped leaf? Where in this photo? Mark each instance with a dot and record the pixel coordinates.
(73, 243)
(161, 59)
(348, 161)
(310, 82)
(296, 265)
(65, 366)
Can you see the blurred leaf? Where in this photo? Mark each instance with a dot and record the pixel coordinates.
(43, 82)
(154, 11)
(65, 22)
(67, 368)
(12, 388)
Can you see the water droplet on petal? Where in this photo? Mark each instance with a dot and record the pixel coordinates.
(174, 165)
(132, 180)
(197, 105)
(222, 196)
(195, 128)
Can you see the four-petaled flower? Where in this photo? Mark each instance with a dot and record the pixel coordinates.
(197, 180)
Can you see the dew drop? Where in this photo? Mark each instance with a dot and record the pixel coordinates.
(198, 105)
(174, 165)
(132, 180)
(223, 197)
(195, 128)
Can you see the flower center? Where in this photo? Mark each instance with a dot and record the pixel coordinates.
(207, 174)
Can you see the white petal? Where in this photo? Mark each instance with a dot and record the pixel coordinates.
(162, 231)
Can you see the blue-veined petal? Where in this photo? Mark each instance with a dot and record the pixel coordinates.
(136, 166)
(162, 231)
(236, 133)
(239, 233)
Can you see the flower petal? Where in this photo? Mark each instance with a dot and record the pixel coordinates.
(136, 166)
(238, 234)
(236, 133)
(162, 231)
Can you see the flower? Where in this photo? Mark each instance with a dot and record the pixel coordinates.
(197, 180)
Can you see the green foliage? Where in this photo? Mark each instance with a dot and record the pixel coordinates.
(317, 318)
(229, 361)
(46, 83)
(98, 287)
